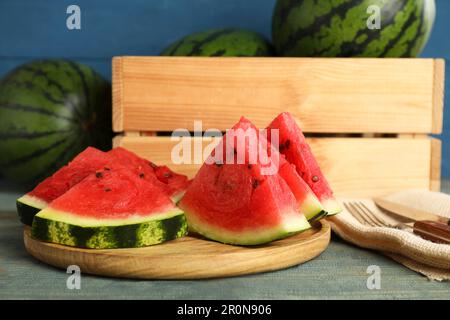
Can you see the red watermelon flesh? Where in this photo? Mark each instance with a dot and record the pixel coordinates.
(113, 194)
(307, 202)
(65, 178)
(238, 203)
(294, 147)
(175, 184)
(138, 165)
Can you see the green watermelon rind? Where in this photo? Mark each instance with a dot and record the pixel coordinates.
(332, 206)
(176, 198)
(311, 208)
(28, 207)
(65, 229)
(296, 224)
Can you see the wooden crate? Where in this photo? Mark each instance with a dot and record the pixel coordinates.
(367, 120)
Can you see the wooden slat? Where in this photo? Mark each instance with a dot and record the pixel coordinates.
(327, 95)
(438, 96)
(117, 94)
(363, 167)
(435, 165)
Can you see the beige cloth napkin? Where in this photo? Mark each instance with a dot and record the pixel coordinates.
(428, 258)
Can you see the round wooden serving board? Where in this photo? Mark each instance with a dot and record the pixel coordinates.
(185, 258)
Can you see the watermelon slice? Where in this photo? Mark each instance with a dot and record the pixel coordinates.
(111, 208)
(307, 202)
(87, 162)
(241, 202)
(65, 178)
(294, 147)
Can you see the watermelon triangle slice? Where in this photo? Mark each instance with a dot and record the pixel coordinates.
(294, 147)
(236, 198)
(88, 162)
(62, 180)
(111, 208)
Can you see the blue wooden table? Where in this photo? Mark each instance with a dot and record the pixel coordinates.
(340, 272)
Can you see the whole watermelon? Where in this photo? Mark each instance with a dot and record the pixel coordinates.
(341, 28)
(221, 43)
(50, 110)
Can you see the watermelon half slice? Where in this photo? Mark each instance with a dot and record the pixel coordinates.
(238, 202)
(111, 208)
(294, 147)
(65, 178)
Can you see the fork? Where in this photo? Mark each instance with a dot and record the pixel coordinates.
(367, 217)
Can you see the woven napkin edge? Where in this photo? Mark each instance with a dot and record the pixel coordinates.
(431, 273)
(391, 244)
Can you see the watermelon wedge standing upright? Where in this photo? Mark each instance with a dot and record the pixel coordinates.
(237, 198)
(111, 208)
(294, 147)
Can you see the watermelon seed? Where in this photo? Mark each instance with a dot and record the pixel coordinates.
(107, 189)
(255, 184)
(107, 169)
(167, 175)
(154, 166)
(249, 166)
(281, 147)
(141, 175)
(99, 175)
(287, 143)
(315, 178)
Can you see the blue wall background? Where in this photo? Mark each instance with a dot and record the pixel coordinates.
(37, 29)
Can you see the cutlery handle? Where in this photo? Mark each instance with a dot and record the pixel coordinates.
(433, 231)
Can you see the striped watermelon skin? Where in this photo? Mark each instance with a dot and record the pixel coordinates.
(51, 110)
(221, 43)
(110, 237)
(339, 28)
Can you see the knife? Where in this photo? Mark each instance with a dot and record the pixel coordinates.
(409, 213)
(430, 223)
